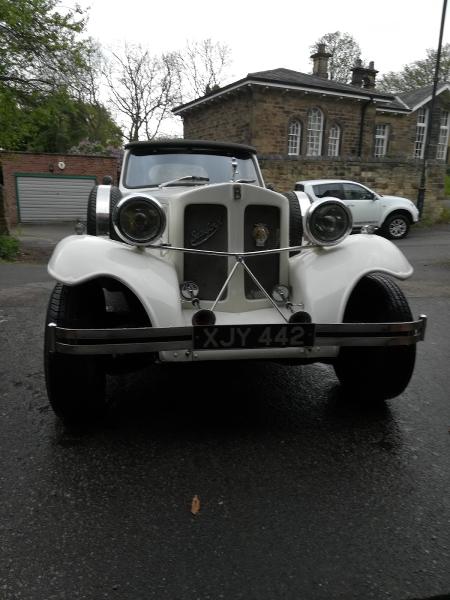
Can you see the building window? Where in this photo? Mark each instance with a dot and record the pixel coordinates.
(295, 131)
(381, 140)
(315, 129)
(334, 140)
(421, 132)
(441, 152)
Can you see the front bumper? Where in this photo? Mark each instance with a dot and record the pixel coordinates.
(251, 340)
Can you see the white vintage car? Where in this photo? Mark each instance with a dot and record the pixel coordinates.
(392, 215)
(193, 259)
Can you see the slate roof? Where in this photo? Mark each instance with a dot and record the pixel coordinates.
(416, 98)
(403, 103)
(294, 79)
(288, 76)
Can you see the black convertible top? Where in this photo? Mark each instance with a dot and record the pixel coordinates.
(178, 145)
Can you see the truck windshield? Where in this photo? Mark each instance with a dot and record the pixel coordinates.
(151, 170)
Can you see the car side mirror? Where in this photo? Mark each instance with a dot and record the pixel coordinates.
(270, 186)
(107, 180)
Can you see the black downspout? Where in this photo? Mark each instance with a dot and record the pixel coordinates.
(361, 126)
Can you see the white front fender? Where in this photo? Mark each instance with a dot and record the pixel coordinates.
(154, 281)
(323, 278)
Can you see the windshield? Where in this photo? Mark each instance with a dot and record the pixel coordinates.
(151, 170)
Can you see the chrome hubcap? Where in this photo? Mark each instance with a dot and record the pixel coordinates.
(397, 227)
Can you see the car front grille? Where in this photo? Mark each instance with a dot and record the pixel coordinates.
(207, 227)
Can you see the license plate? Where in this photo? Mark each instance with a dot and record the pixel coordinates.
(222, 337)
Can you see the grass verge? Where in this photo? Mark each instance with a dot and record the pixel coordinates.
(9, 247)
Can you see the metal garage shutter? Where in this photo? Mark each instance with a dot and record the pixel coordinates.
(46, 199)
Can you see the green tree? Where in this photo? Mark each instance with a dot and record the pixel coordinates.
(39, 46)
(417, 74)
(48, 73)
(344, 52)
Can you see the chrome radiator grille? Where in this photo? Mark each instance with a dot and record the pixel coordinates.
(265, 268)
(206, 227)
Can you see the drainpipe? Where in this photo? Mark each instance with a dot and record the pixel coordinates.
(361, 125)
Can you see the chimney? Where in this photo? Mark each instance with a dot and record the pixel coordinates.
(364, 76)
(320, 61)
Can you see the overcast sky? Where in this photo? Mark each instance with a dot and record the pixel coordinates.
(267, 34)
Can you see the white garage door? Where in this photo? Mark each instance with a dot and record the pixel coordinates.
(46, 199)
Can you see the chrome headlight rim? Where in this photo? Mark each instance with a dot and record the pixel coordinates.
(129, 239)
(312, 236)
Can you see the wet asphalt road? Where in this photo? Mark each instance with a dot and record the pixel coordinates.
(303, 494)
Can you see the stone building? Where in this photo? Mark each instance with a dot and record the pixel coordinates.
(308, 126)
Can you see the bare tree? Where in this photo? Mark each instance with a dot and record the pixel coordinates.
(143, 88)
(344, 50)
(202, 67)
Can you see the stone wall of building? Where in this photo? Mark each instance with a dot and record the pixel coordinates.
(13, 163)
(260, 117)
(398, 178)
(274, 110)
(227, 120)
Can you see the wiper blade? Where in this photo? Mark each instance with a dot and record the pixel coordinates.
(191, 178)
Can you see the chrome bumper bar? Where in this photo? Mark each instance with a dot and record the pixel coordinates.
(157, 339)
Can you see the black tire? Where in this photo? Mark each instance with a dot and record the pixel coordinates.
(376, 373)
(75, 384)
(91, 217)
(396, 226)
(295, 221)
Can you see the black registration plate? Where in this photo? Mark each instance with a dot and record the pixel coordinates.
(223, 337)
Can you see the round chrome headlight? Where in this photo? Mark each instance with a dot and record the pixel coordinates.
(328, 222)
(139, 220)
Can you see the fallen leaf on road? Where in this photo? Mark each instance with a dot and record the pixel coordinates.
(195, 506)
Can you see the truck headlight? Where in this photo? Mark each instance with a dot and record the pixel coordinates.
(328, 222)
(139, 220)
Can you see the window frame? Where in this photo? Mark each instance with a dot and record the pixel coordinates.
(384, 140)
(334, 142)
(421, 133)
(442, 145)
(314, 135)
(294, 123)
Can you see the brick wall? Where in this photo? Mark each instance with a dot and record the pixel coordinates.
(24, 162)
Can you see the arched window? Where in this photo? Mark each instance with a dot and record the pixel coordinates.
(441, 152)
(315, 131)
(294, 136)
(421, 132)
(334, 140)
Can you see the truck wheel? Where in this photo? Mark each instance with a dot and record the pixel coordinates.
(75, 384)
(383, 372)
(396, 226)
